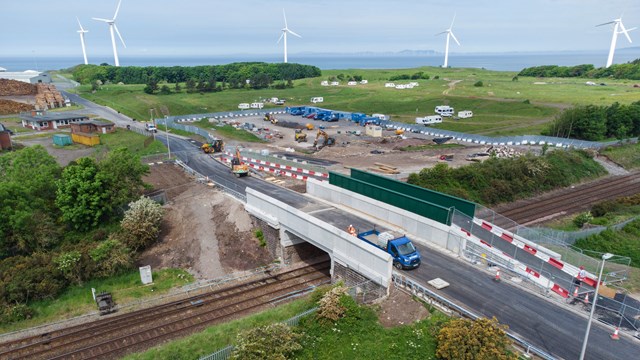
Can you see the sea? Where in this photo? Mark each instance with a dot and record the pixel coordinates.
(490, 61)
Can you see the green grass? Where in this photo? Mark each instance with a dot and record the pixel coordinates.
(131, 140)
(628, 156)
(78, 300)
(14, 124)
(67, 108)
(219, 336)
(229, 132)
(499, 106)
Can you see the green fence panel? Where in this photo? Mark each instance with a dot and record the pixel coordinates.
(429, 210)
(466, 207)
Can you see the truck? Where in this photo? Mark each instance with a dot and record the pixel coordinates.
(429, 120)
(404, 253)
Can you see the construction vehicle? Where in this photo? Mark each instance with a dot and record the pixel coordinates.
(214, 146)
(399, 131)
(238, 167)
(270, 117)
(327, 141)
(300, 136)
(309, 126)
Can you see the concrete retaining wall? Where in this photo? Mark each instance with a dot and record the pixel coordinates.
(354, 254)
(418, 227)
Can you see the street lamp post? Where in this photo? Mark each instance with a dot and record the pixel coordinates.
(166, 131)
(605, 257)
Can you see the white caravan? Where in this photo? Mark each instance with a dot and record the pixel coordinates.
(244, 106)
(317, 100)
(257, 105)
(465, 114)
(429, 120)
(444, 110)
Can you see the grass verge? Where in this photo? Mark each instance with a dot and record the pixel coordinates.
(77, 300)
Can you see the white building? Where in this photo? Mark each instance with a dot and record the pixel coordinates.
(29, 76)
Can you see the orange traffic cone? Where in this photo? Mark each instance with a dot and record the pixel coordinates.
(586, 298)
(497, 278)
(615, 335)
(575, 292)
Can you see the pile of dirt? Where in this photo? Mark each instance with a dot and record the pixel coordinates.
(13, 87)
(12, 107)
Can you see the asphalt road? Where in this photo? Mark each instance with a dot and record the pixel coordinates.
(544, 324)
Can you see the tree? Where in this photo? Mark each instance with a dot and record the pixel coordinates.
(82, 195)
(270, 342)
(190, 85)
(164, 90)
(28, 190)
(123, 172)
(482, 339)
(141, 223)
(69, 265)
(177, 88)
(152, 85)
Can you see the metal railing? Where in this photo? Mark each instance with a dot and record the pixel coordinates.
(403, 282)
(227, 186)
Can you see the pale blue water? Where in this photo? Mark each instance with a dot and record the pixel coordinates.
(502, 62)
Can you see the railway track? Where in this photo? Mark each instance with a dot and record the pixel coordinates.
(117, 335)
(567, 202)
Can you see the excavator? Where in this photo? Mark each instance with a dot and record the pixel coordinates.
(239, 168)
(328, 141)
(300, 136)
(214, 146)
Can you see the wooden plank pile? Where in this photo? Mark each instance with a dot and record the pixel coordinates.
(15, 88)
(384, 169)
(48, 97)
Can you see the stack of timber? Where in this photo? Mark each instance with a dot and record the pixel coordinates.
(384, 168)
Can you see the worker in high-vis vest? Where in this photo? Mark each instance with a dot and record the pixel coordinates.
(351, 230)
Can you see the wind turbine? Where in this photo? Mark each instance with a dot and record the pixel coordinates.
(617, 25)
(112, 26)
(81, 32)
(449, 35)
(286, 30)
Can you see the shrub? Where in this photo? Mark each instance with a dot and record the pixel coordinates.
(260, 235)
(526, 101)
(482, 339)
(27, 278)
(141, 223)
(331, 308)
(582, 219)
(69, 265)
(15, 313)
(270, 342)
(478, 84)
(111, 258)
(603, 208)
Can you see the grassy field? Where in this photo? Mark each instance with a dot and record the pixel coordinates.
(136, 143)
(14, 124)
(499, 106)
(78, 300)
(628, 156)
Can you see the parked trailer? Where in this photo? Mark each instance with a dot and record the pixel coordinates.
(429, 120)
(465, 114)
(404, 253)
(444, 110)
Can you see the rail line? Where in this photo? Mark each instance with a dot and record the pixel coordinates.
(138, 330)
(574, 200)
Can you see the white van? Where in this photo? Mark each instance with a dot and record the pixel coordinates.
(244, 106)
(317, 100)
(324, 83)
(444, 110)
(381, 116)
(257, 105)
(429, 120)
(465, 114)
(151, 127)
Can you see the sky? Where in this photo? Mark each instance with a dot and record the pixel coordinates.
(216, 27)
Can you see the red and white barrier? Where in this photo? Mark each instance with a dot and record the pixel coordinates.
(290, 170)
(535, 250)
(273, 170)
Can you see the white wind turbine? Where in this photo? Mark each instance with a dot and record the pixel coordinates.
(618, 28)
(81, 32)
(449, 35)
(112, 26)
(286, 30)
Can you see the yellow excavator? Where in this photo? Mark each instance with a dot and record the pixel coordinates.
(300, 136)
(238, 167)
(328, 141)
(214, 146)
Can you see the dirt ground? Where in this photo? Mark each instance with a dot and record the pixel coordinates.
(400, 309)
(64, 155)
(205, 231)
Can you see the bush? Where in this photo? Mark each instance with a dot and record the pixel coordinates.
(582, 219)
(16, 313)
(111, 258)
(260, 235)
(331, 308)
(141, 223)
(271, 342)
(482, 339)
(603, 208)
(28, 278)
(478, 84)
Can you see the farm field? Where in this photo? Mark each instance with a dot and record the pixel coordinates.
(501, 105)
